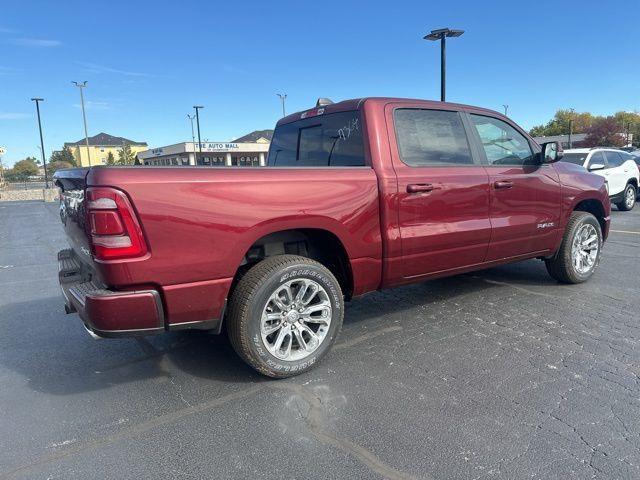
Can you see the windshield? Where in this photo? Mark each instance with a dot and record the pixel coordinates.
(577, 158)
(321, 141)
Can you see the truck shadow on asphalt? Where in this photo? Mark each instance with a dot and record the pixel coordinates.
(55, 355)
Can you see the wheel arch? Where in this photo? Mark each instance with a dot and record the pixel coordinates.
(594, 207)
(319, 244)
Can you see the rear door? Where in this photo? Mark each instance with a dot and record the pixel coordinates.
(615, 172)
(443, 191)
(525, 196)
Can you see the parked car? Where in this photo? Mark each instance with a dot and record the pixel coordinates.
(357, 196)
(619, 168)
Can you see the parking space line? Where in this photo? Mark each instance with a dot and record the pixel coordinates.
(625, 231)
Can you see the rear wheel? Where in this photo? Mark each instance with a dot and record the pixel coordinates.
(579, 254)
(628, 199)
(284, 315)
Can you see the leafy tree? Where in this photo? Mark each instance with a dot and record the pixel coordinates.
(125, 155)
(604, 132)
(26, 167)
(559, 124)
(63, 155)
(111, 159)
(54, 166)
(629, 122)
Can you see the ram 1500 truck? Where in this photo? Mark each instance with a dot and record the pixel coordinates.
(356, 196)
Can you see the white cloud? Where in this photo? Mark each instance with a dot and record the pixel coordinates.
(95, 68)
(34, 42)
(91, 105)
(13, 115)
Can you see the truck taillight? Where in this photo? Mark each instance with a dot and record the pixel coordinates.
(113, 228)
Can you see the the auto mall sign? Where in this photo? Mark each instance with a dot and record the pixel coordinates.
(217, 147)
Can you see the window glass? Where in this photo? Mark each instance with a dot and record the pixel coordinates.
(503, 144)
(625, 156)
(596, 158)
(614, 159)
(431, 137)
(577, 158)
(334, 139)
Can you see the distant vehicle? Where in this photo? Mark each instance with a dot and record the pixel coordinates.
(619, 168)
(356, 196)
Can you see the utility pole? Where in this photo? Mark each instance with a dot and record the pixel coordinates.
(84, 119)
(283, 97)
(198, 107)
(441, 34)
(570, 127)
(44, 160)
(193, 137)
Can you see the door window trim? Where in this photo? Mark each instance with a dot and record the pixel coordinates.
(475, 158)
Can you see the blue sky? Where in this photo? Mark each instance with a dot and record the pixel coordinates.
(147, 63)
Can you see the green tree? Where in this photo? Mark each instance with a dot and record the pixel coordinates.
(559, 124)
(629, 123)
(125, 155)
(111, 160)
(63, 155)
(27, 167)
(54, 166)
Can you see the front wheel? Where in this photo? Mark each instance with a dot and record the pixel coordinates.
(628, 198)
(579, 254)
(284, 315)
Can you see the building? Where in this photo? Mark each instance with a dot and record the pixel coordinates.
(247, 151)
(100, 146)
(577, 139)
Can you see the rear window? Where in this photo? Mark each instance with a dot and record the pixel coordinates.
(577, 158)
(332, 140)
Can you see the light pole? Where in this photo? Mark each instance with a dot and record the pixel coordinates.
(84, 119)
(193, 136)
(506, 109)
(441, 34)
(44, 160)
(283, 97)
(570, 126)
(198, 107)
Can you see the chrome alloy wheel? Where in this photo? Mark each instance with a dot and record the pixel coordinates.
(584, 250)
(295, 319)
(630, 197)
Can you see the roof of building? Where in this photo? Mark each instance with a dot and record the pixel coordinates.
(255, 136)
(105, 140)
(576, 137)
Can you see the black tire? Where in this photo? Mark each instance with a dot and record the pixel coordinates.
(250, 297)
(623, 205)
(561, 266)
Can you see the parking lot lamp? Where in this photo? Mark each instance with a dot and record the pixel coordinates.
(193, 135)
(506, 109)
(441, 34)
(197, 108)
(82, 85)
(44, 160)
(283, 97)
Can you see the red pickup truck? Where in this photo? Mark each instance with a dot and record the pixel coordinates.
(357, 196)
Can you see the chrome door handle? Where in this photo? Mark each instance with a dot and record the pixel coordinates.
(500, 184)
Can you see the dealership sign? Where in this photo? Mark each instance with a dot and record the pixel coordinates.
(216, 147)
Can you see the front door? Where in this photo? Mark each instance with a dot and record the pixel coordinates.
(443, 191)
(525, 195)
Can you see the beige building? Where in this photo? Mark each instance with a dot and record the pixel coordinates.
(99, 148)
(250, 150)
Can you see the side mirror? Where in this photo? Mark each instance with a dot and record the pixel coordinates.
(596, 166)
(551, 152)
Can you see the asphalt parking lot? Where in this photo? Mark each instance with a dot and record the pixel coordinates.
(497, 374)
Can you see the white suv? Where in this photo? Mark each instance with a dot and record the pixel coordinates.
(617, 167)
